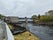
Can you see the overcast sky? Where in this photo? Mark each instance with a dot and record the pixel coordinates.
(24, 8)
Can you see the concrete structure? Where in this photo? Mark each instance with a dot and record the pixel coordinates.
(5, 33)
(29, 20)
(11, 19)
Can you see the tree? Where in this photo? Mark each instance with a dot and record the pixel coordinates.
(45, 18)
(34, 17)
(2, 17)
(39, 16)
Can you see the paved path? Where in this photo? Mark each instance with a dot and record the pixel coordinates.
(5, 32)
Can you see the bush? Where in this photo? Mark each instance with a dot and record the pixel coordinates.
(46, 18)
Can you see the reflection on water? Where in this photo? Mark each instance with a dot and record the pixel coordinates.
(43, 32)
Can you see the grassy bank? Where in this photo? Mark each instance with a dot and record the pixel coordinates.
(24, 36)
(43, 20)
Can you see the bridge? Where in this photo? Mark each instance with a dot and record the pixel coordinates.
(18, 20)
(23, 20)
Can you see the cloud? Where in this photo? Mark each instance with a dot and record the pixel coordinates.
(25, 7)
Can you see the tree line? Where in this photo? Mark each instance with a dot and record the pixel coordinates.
(48, 17)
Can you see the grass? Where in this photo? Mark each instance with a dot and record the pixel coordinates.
(24, 36)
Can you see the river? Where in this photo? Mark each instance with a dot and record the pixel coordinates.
(42, 32)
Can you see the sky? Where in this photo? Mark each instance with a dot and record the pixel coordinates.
(25, 8)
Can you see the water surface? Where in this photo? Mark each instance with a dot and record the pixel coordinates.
(43, 32)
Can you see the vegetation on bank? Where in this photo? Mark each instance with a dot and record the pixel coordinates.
(24, 36)
(47, 18)
(1, 16)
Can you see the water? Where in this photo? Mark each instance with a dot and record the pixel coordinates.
(43, 32)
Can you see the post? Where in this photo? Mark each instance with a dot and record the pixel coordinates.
(26, 20)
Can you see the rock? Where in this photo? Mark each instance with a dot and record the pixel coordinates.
(18, 30)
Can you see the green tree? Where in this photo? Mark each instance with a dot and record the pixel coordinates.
(45, 18)
(34, 16)
(2, 17)
(39, 16)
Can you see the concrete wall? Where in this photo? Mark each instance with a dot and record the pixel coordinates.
(5, 32)
(12, 19)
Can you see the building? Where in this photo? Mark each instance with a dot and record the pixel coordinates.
(11, 19)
